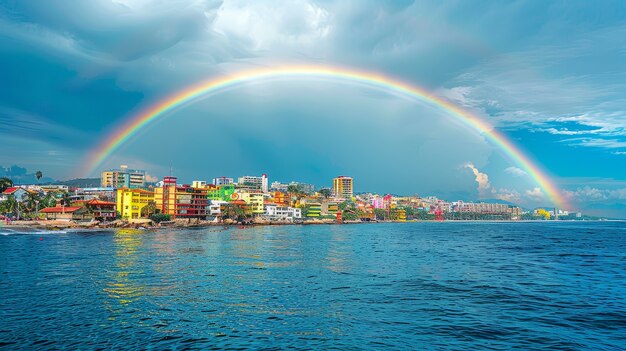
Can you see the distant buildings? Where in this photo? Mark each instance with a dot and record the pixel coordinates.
(223, 181)
(284, 187)
(481, 207)
(123, 178)
(254, 182)
(343, 187)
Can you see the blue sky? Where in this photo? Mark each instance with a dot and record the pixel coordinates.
(549, 75)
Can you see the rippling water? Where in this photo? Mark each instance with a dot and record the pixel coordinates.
(432, 286)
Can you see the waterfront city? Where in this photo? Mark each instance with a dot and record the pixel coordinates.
(124, 197)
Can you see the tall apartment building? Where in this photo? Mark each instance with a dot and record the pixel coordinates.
(342, 187)
(181, 201)
(123, 178)
(253, 182)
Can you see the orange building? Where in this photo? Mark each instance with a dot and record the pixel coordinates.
(181, 201)
(280, 198)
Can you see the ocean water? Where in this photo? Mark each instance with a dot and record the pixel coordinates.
(412, 286)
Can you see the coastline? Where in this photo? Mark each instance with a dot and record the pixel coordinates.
(183, 224)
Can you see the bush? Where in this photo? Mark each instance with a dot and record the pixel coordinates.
(160, 217)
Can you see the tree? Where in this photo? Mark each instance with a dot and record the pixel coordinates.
(38, 174)
(65, 199)
(31, 201)
(149, 209)
(380, 213)
(542, 213)
(160, 217)
(293, 189)
(5, 183)
(325, 192)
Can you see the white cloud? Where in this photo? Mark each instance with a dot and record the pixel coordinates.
(592, 194)
(535, 194)
(271, 24)
(515, 171)
(484, 187)
(596, 142)
(509, 195)
(542, 85)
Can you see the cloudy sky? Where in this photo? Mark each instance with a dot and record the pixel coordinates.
(551, 76)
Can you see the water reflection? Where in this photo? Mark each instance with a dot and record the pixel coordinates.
(123, 284)
(339, 255)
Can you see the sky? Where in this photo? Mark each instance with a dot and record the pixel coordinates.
(550, 76)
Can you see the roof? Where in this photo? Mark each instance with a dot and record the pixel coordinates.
(11, 190)
(100, 202)
(95, 202)
(60, 209)
(137, 190)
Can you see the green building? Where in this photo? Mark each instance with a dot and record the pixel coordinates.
(313, 210)
(221, 193)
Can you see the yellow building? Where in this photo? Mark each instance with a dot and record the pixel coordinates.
(254, 201)
(398, 214)
(130, 202)
(342, 187)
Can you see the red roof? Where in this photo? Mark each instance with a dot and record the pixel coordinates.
(95, 202)
(101, 203)
(60, 209)
(11, 190)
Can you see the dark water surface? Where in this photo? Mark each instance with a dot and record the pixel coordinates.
(413, 286)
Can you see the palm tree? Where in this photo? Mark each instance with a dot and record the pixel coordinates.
(65, 200)
(38, 174)
(31, 201)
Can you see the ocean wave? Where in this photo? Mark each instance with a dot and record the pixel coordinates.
(6, 231)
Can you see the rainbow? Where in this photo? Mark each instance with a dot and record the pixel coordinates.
(214, 85)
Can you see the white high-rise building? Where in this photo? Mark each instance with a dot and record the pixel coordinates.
(261, 183)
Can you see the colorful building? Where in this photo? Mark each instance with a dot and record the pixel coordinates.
(123, 178)
(254, 201)
(221, 192)
(343, 187)
(280, 198)
(329, 208)
(131, 202)
(181, 201)
(314, 209)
